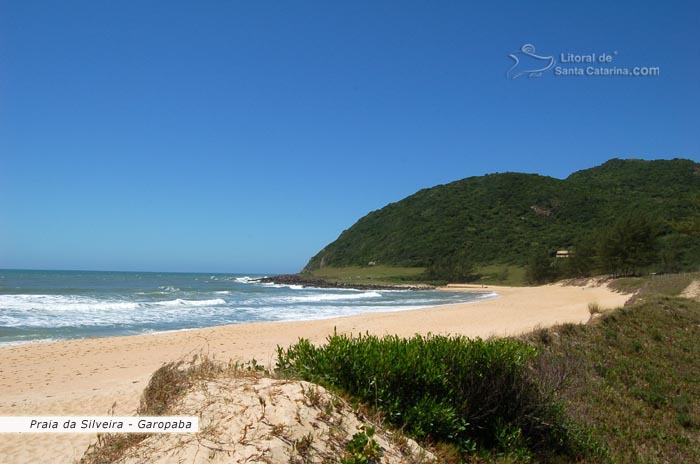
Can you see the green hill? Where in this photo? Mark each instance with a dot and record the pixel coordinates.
(502, 218)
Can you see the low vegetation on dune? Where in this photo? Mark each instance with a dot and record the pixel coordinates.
(651, 285)
(632, 379)
(249, 415)
(166, 386)
(622, 388)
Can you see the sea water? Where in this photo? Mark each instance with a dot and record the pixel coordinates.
(50, 305)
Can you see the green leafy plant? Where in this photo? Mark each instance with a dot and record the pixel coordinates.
(363, 448)
(450, 389)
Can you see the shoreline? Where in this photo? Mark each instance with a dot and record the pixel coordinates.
(396, 309)
(95, 375)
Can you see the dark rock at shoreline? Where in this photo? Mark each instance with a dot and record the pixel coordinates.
(295, 279)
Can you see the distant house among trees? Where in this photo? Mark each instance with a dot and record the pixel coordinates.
(564, 254)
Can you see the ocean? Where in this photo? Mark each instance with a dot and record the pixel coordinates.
(51, 305)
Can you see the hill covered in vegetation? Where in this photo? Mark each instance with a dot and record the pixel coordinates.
(506, 218)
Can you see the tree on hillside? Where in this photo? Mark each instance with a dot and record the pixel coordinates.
(628, 246)
(695, 216)
(671, 253)
(690, 225)
(540, 268)
(680, 248)
(456, 267)
(582, 262)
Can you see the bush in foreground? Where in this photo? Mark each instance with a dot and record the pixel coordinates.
(474, 394)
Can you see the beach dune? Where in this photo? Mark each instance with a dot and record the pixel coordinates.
(103, 375)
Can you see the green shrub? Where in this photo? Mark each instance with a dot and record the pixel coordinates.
(449, 389)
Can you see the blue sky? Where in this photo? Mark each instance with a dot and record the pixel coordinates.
(228, 136)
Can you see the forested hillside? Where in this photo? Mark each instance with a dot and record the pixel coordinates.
(509, 217)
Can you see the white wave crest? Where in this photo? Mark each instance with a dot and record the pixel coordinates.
(72, 304)
(487, 296)
(168, 289)
(61, 303)
(181, 302)
(330, 297)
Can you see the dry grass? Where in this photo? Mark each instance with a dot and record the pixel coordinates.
(663, 284)
(166, 386)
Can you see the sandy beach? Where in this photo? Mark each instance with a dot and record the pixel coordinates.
(99, 375)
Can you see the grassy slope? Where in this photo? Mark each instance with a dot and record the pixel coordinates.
(633, 378)
(369, 274)
(494, 274)
(669, 284)
(500, 274)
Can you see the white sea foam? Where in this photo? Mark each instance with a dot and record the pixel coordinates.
(61, 303)
(289, 286)
(26, 342)
(79, 303)
(307, 312)
(486, 296)
(72, 311)
(178, 302)
(327, 297)
(47, 311)
(168, 289)
(181, 302)
(256, 280)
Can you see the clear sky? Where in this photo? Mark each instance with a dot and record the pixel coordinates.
(240, 136)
